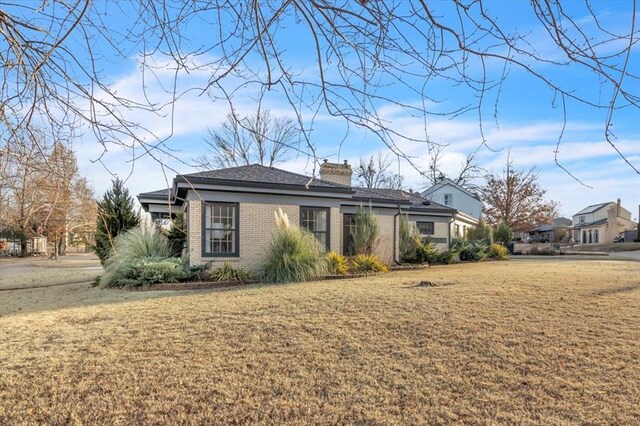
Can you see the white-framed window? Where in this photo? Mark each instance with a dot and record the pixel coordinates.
(582, 219)
(448, 199)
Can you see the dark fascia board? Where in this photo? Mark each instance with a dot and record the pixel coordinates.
(428, 212)
(249, 184)
(145, 200)
(382, 200)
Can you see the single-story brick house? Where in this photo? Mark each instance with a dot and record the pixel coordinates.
(229, 212)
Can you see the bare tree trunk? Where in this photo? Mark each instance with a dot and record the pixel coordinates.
(62, 246)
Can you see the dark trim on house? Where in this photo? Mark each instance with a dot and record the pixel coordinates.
(203, 236)
(328, 231)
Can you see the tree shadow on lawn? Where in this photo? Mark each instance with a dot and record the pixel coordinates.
(32, 300)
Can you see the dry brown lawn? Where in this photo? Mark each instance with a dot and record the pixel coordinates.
(520, 342)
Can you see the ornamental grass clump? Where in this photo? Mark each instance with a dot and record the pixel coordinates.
(294, 254)
(226, 272)
(337, 263)
(142, 256)
(365, 233)
(367, 264)
(409, 240)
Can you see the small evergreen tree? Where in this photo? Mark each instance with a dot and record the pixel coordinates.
(116, 214)
(482, 232)
(503, 233)
(177, 235)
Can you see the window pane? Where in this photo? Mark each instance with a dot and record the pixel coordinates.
(425, 228)
(315, 220)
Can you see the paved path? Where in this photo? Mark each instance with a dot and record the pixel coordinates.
(626, 255)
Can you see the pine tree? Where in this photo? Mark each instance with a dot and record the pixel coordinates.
(116, 214)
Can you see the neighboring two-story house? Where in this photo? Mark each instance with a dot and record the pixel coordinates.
(468, 204)
(600, 223)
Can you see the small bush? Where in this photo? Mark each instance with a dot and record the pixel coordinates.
(470, 250)
(498, 251)
(447, 257)
(367, 264)
(293, 255)
(365, 232)
(226, 272)
(337, 263)
(427, 252)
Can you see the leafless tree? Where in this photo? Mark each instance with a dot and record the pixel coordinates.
(466, 176)
(375, 172)
(516, 198)
(42, 191)
(360, 57)
(258, 138)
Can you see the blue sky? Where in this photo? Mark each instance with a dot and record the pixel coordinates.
(528, 122)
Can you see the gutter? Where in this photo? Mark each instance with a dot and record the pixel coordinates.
(395, 234)
(453, 219)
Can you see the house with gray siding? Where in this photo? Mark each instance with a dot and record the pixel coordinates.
(229, 213)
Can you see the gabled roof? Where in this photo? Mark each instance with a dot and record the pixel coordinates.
(258, 175)
(417, 201)
(445, 182)
(593, 208)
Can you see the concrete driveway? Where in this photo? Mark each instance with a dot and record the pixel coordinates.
(41, 272)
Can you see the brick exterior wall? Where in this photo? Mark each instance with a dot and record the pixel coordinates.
(257, 226)
(384, 251)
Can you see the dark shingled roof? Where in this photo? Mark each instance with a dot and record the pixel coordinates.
(161, 193)
(416, 201)
(592, 208)
(256, 173)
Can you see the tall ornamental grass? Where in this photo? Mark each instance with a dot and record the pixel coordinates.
(294, 254)
(409, 239)
(365, 232)
(132, 250)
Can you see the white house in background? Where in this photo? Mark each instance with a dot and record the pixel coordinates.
(450, 194)
(599, 223)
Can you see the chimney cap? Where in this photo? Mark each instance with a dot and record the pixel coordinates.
(325, 161)
(346, 163)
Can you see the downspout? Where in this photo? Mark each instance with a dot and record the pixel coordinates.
(453, 219)
(395, 234)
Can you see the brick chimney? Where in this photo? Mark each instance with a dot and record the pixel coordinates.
(336, 172)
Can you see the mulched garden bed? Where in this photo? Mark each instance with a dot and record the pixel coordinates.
(225, 284)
